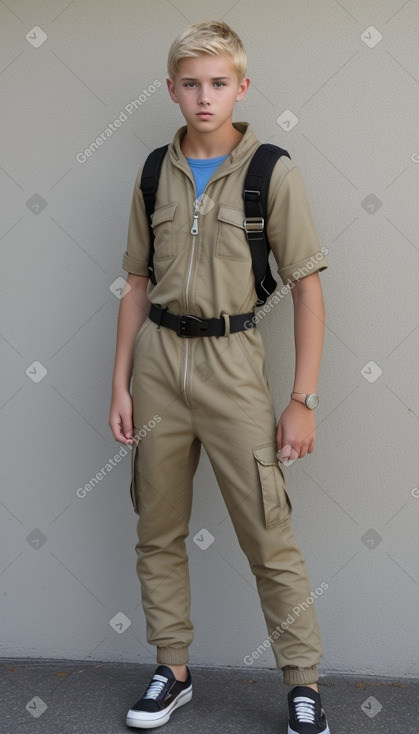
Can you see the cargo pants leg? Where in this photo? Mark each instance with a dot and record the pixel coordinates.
(235, 421)
(164, 462)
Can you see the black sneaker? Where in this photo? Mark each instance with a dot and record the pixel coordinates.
(164, 694)
(306, 713)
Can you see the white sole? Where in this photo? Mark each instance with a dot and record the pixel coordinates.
(291, 731)
(148, 720)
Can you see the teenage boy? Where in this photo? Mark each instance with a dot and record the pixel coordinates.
(210, 388)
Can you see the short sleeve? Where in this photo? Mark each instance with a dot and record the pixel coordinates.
(291, 230)
(135, 259)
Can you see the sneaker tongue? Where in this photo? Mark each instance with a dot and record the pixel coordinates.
(163, 671)
(305, 691)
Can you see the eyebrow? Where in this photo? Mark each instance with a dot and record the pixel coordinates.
(214, 79)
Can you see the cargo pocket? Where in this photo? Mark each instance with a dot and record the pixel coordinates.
(162, 223)
(231, 238)
(132, 485)
(276, 503)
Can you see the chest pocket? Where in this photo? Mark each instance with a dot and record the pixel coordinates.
(231, 243)
(162, 223)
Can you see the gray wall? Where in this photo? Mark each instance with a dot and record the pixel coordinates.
(67, 570)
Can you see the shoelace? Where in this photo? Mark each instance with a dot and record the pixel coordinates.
(155, 688)
(305, 710)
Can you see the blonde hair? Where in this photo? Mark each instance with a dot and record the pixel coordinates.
(209, 37)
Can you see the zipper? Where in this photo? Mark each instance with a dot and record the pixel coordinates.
(194, 231)
(197, 204)
(188, 278)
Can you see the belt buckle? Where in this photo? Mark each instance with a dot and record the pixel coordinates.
(186, 323)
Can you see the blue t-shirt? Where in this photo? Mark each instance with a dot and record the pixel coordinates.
(202, 169)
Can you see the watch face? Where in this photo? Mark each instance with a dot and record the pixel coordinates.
(312, 401)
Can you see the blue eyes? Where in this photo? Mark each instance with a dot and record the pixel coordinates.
(217, 85)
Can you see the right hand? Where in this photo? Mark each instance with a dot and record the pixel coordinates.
(120, 417)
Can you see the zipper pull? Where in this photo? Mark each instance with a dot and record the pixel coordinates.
(194, 228)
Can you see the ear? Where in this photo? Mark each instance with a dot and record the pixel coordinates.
(243, 87)
(171, 88)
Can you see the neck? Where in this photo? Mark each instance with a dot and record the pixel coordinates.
(210, 145)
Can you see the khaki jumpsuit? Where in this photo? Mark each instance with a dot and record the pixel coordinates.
(213, 391)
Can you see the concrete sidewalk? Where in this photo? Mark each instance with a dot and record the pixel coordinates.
(53, 697)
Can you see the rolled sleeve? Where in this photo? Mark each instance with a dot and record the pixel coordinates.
(136, 267)
(135, 259)
(291, 230)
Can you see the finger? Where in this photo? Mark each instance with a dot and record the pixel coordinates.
(284, 453)
(294, 454)
(127, 429)
(287, 455)
(311, 447)
(119, 433)
(308, 446)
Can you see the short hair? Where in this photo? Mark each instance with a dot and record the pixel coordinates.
(209, 37)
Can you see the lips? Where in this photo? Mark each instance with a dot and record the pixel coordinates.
(204, 115)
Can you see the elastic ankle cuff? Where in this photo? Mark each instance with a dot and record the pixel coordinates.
(172, 655)
(300, 676)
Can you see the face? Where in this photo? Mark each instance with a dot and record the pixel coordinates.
(206, 89)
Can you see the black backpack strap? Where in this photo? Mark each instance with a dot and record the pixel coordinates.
(255, 194)
(149, 185)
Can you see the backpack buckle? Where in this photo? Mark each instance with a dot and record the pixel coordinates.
(254, 224)
(251, 194)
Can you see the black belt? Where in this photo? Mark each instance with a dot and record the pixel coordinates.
(188, 325)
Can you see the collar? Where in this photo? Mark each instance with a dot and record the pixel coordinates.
(242, 151)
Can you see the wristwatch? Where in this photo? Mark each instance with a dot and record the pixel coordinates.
(310, 400)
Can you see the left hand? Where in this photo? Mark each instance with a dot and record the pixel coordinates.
(296, 432)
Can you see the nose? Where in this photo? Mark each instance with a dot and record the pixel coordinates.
(204, 97)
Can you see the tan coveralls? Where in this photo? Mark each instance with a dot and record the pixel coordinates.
(213, 391)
